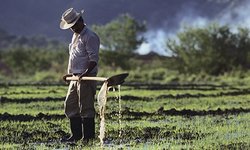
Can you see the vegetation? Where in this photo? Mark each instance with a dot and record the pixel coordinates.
(199, 54)
(213, 50)
(119, 39)
(170, 116)
(121, 34)
(32, 60)
(198, 98)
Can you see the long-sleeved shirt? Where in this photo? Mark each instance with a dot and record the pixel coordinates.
(83, 49)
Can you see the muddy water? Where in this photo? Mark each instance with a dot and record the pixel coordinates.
(120, 114)
(102, 99)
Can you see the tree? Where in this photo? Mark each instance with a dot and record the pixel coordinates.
(213, 49)
(119, 39)
(121, 34)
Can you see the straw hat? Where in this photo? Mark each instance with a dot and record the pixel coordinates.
(69, 18)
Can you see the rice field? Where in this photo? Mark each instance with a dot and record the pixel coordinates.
(153, 116)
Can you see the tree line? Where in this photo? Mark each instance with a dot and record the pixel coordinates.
(213, 49)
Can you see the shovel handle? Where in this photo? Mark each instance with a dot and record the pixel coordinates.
(75, 78)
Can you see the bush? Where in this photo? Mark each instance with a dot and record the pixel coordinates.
(213, 49)
(30, 60)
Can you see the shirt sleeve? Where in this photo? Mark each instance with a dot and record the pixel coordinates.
(92, 47)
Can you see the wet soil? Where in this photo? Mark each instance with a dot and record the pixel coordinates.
(130, 115)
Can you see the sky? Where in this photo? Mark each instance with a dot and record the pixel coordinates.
(164, 18)
(236, 14)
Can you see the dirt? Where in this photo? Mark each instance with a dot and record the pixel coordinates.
(132, 98)
(25, 117)
(130, 115)
(28, 100)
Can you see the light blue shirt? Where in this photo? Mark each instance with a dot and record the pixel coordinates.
(83, 49)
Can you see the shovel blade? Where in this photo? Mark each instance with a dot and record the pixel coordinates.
(117, 79)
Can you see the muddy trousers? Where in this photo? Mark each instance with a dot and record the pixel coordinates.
(79, 105)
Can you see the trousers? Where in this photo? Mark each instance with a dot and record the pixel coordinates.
(80, 99)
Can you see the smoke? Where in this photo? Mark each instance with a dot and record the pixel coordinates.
(155, 41)
(235, 14)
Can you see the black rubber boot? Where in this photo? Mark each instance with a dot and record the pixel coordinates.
(76, 130)
(88, 129)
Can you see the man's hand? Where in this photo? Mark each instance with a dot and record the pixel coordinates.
(65, 76)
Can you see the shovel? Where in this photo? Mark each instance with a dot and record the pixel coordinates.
(112, 81)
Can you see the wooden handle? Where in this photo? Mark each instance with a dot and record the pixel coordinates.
(75, 78)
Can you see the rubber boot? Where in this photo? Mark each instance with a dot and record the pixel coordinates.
(76, 130)
(88, 129)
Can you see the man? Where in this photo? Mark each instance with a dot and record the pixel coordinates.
(83, 61)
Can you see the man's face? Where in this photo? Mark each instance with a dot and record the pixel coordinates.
(77, 28)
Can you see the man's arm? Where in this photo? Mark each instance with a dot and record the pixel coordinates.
(92, 48)
(91, 66)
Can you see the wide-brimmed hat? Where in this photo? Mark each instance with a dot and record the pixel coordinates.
(69, 18)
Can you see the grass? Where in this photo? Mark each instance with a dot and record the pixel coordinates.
(20, 92)
(138, 129)
(171, 132)
(204, 103)
(33, 108)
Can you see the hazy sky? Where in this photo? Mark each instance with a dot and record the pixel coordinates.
(163, 17)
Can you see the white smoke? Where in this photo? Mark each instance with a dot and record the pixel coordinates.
(235, 15)
(155, 42)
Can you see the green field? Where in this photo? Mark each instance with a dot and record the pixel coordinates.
(154, 116)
